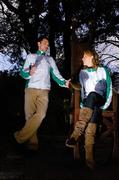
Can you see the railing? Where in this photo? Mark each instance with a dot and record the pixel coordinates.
(109, 117)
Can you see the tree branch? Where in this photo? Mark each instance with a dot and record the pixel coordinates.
(10, 6)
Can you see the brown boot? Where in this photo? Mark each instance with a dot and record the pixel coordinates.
(89, 142)
(84, 117)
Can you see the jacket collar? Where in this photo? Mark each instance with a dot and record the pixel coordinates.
(40, 52)
(89, 69)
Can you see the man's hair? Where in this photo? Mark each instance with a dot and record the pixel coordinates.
(41, 38)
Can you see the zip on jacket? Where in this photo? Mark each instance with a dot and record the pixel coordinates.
(46, 67)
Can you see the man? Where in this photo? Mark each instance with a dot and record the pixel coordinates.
(37, 70)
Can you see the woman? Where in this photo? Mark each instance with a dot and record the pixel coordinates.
(96, 93)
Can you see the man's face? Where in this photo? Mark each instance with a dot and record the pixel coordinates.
(43, 45)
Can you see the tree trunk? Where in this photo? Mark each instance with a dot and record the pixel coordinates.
(67, 39)
(52, 5)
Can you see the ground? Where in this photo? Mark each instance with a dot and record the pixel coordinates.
(53, 161)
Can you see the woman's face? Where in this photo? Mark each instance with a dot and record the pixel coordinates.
(87, 59)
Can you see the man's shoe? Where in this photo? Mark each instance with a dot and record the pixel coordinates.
(32, 147)
(71, 142)
(90, 164)
(17, 146)
(26, 146)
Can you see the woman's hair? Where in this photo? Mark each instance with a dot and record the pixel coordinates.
(95, 59)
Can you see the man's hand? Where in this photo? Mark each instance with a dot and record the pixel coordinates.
(67, 83)
(32, 70)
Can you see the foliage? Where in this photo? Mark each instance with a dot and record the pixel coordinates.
(98, 19)
(22, 21)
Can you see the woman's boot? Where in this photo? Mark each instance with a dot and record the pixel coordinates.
(89, 144)
(84, 117)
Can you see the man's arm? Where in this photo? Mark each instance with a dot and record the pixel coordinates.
(27, 69)
(57, 77)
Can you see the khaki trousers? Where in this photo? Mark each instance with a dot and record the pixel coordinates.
(36, 104)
